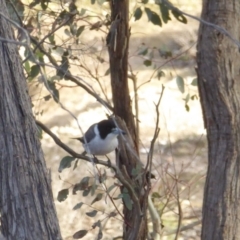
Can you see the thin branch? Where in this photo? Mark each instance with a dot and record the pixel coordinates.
(185, 228)
(156, 221)
(180, 214)
(153, 212)
(70, 150)
(118, 173)
(49, 34)
(155, 136)
(135, 89)
(74, 79)
(220, 29)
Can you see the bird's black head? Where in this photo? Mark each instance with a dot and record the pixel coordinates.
(108, 126)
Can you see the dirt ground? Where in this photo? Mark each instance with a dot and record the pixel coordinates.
(180, 154)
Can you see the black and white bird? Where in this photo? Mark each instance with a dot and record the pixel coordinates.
(101, 138)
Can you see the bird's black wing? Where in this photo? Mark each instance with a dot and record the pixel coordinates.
(89, 135)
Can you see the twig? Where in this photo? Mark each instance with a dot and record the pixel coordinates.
(135, 89)
(118, 173)
(70, 150)
(155, 220)
(156, 133)
(72, 78)
(220, 29)
(180, 214)
(184, 228)
(108, 194)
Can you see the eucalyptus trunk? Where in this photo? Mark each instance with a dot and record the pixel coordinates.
(219, 87)
(135, 218)
(26, 202)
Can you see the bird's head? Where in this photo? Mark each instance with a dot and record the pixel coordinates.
(108, 127)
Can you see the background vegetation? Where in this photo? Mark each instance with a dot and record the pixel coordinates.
(74, 60)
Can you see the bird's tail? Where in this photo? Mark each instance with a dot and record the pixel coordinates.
(79, 139)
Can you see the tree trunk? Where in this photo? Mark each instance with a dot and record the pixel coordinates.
(26, 202)
(135, 219)
(219, 87)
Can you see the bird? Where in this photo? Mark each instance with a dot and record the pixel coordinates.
(101, 138)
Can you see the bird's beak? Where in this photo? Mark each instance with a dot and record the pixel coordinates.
(119, 131)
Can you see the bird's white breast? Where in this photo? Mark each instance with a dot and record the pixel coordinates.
(99, 146)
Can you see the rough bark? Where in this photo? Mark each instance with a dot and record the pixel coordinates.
(26, 203)
(135, 220)
(219, 87)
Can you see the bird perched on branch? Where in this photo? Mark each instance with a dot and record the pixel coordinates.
(101, 138)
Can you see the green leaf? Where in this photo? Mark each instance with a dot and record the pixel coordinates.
(35, 69)
(65, 163)
(92, 213)
(62, 195)
(187, 107)
(82, 12)
(179, 16)
(54, 90)
(138, 13)
(144, 1)
(97, 198)
(40, 132)
(127, 201)
(118, 197)
(187, 98)
(147, 63)
(34, 3)
(67, 32)
(107, 72)
(100, 59)
(82, 185)
(143, 52)
(51, 39)
(165, 12)
(93, 1)
(86, 191)
(78, 206)
(103, 177)
(155, 195)
(80, 30)
(180, 84)
(44, 4)
(153, 17)
(149, 13)
(93, 188)
(75, 164)
(194, 82)
(48, 97)
(73, 29)
(111, 188)
(160, 74)
(27, 67)
(97, 224)
(64, 65)
(194, 97)
(80, 234)
(100, 234)
(135, 171)
(101, 2)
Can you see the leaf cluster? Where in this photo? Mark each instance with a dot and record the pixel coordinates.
(165, 10)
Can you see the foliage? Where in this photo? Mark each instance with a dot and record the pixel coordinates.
(59, 42)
